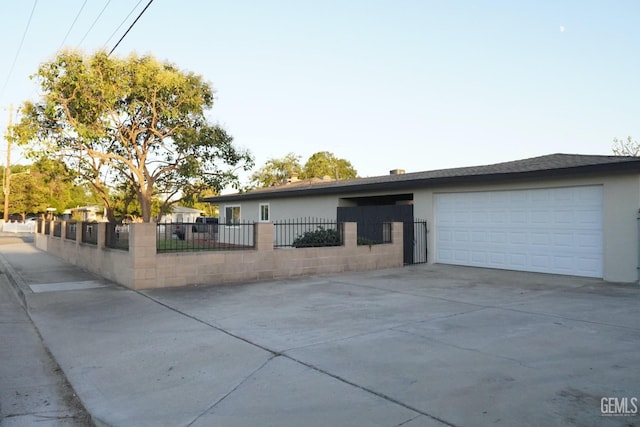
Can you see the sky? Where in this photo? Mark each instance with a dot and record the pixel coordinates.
(410, 84)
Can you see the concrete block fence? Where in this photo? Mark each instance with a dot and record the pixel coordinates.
(141, 267)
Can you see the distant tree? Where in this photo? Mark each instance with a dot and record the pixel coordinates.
(628, 147)
(325, 163)
(27, 195)
(195, 203)
(43, 184)
(135, 120)
(277, 171)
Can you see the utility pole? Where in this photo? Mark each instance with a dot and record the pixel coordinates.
(6, 188)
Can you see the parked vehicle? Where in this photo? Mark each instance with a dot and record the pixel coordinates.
(205, 224)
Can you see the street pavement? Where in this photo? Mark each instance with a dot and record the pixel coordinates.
(425, 345)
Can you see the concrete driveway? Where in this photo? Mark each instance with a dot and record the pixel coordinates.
(419, 346)
(434, 344)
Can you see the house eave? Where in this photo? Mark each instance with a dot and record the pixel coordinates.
(343, 187)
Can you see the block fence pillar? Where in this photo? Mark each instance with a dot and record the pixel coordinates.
(397, 233)
(263, 236)
(142, 248)
(78, 233)
(350, 234)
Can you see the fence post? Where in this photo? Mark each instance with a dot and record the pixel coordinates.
(142, 248)
(79, 226)
(101, 237)
(63, 230)
(397, 233)
(350, 234)
(263, 236)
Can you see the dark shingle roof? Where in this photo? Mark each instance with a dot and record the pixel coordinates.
(543, 166)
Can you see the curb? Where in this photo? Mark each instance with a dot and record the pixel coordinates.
(20, 288)
(17, 283)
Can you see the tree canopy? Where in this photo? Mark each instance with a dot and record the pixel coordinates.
(324, 163)
(45, 184)
(628, 147)
(277, 171)
(131, 122)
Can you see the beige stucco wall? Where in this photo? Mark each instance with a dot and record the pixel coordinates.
(142, 268)
(111, 264)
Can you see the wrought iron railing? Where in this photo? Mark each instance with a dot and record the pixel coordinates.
(181, 237)
(57, 229)
(116, 236)
(90, 233)
(70, 229)
(307, 232)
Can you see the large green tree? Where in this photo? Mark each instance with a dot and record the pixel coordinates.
(277, 171)
(324, 163)
(131, 121)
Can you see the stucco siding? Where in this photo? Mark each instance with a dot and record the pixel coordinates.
(621, 197)
(282, 209)
(621, 201)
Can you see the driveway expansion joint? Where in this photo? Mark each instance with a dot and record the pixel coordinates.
(275, 353)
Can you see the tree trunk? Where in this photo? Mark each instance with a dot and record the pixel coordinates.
(145, 206)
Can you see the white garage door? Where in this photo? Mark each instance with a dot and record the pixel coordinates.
(555, 230)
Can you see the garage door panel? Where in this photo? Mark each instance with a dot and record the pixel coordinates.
(518, 259)
(545, 230)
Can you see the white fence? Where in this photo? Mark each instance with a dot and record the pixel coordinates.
(19, 227)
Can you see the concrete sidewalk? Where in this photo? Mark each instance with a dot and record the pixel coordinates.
(33, 390)
(419, 346)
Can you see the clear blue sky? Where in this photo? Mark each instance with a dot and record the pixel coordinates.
(407, 84)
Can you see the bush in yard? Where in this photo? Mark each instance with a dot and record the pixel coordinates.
(364, 241)
(317, 238)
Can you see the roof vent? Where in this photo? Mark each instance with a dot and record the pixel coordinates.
(396, 172)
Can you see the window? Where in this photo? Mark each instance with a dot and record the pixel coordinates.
(264, 212)
(232, 215)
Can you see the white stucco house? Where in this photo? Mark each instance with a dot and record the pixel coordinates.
(182, 214)
(560, 213)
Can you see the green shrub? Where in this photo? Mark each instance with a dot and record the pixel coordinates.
(363, 241)
(317, 238)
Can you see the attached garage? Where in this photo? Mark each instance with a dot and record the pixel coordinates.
(549, 230)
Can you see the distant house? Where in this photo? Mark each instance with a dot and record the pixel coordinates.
(561, 213)
(85, 213)
(182, 214)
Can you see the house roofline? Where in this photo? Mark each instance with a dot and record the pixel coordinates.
(342, 187)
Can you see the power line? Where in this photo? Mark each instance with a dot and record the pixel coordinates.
(72, 25)
(94, 22)
(15, 59)
(122, 23)
(131, 26)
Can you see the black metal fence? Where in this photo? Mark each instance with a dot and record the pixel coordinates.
(181, 237)
(57, 229)
(70, 229)
(307, 232)
(90, 233)
(374, 233)
(420, 233)
(116, 236)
